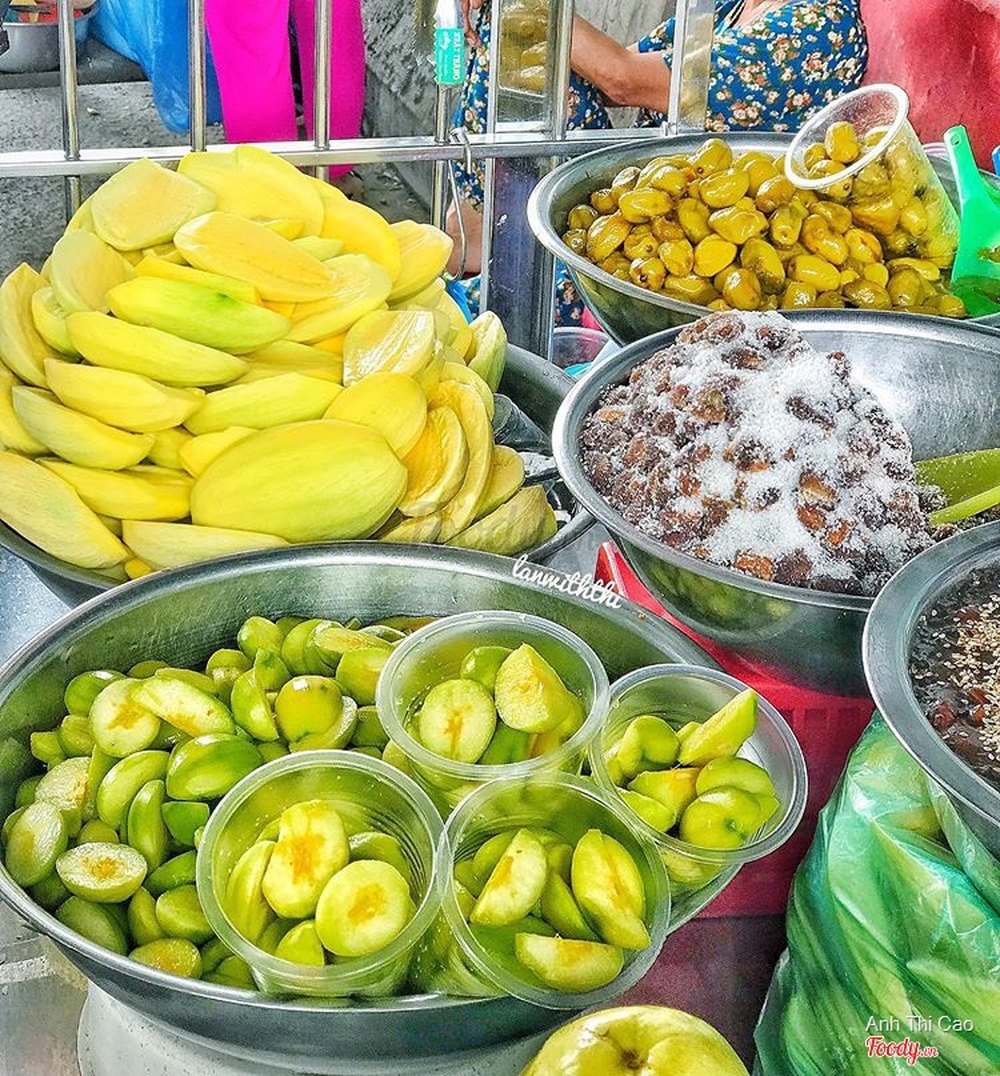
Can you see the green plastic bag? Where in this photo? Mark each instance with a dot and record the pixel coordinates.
(893, 960)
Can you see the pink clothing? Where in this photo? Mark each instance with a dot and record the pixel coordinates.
(252, 57)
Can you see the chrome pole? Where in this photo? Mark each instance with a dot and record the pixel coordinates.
(321, 82)
(692, 65)
(196, 74)
(70, 104)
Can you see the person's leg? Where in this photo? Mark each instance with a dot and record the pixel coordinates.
(347, 66)
(252, 57)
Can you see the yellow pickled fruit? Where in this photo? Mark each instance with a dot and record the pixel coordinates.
(423, 529)
(879, 215)
(171, 545)
(785, 254)
(872, 181)
(50, 321)
(83, 269)
(866, 294)
(712, 255)
(837, 216)
(436, 465)
(22, 348)
(305, 482)
(798, 295)
(772, 193)
(786, 225)
(166, 448)
(951, 306)
(576, 240)
(393, 341)
(927, 269)
(670, 180)
(690, 289)
(899, 243)
(877, 273)
(641, 205)
(813, 155)
(517, 525)
(359, 228)
(762, 259)
(127, 494)
(252, 182)
(192, 312)
(830, 300)
(677, 256)
(603, 201)
(725, 188)
(741, 289)
(738, 224)
(666, 229)
(580, 217)
(75, 437)
(625, 180)
(224, 243)
(13, 434)
(641, 243)
(120, 398)
(862, 246)
(913, 217)
(810, 269)
(393, 404)
(456, 371)
(260, 404)
(648, 273)
(197, 453)
(839, 188)
(692, 216)
(841, 142)
(144, 204)
(759, 173)
(424, 251)
(162, 269)
(459, 512)
(358, 286)
(819, 239)
(714, 155)
(905, 287)
(48, 511)
(505, 479)
(606, 235)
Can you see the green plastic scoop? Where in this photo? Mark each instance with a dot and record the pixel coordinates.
(975, 276)
(969, 480)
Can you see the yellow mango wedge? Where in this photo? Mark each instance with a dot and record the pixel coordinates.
(130, 494)
(144, 204)
(166, 449)
(358, 286)
(167, 270)
(359, 228)
(254, 183)
(45, 510)
(234, 246)
(260, 404)
(50, 321)
(198, 452)
(22, 349)
(393, 404)
(460, 511)
(425, 251)
(393, 341)
(83, 269)
(436, 465)
(13, 434)
(171, 545)
(289, 357)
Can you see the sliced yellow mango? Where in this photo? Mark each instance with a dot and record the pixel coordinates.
(393, 341)
(359, 228)
(393, 404)
(168, 270)
(170, 545)
(83, 269)
(425, 251)
(22, 349)
(358, 286)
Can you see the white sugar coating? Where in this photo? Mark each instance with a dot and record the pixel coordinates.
(744, 445)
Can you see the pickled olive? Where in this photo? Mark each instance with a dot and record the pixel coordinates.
(841, 142)
(879, 215)
(604, 201)
(774, 192)
(670, 180)
(693, 217)
(872, 181)
(737, 224)
(648, 273)
(797, 295)
(639, 206)
(624, 181)
(605, 236)
(810, 269)
(713, 156)
(762, 259)
(712, 255)
(576, 240)
(581, 216)
(741, 289)
(677, 256)
(723, 189)
(865, 294)
(786, 225)
(641, 243)
(830, 300)
(899, 243)
(813, 155)
(913, 217)
(837, 216)
(690, 289)
(876, 273)
(927, 269)
(905, 287)
(863, 246)
(666, 229)
(839, 190)
(951, 306)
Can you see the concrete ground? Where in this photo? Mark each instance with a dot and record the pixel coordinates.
(116, 109)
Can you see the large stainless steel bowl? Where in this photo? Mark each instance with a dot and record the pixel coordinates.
(626, 311)
(888, 640)
(536, 386)
(181, 616)
(940, 379)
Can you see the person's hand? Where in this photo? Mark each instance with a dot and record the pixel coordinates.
(471, 35)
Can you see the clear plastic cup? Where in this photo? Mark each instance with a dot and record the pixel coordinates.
(435, 653)
(568, 805)
(368, 794)
(891, 188)
(683, 693)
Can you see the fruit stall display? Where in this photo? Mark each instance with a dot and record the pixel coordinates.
(190, 376)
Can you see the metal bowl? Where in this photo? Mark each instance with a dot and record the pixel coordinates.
(34, 46)
(939, 378)
(535, 385)
(182, 615)
(888, 640)
(626, 311)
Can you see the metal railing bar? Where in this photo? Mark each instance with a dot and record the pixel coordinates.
(196, 74)
(321, 81)
(96, 162)
(70, 104)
